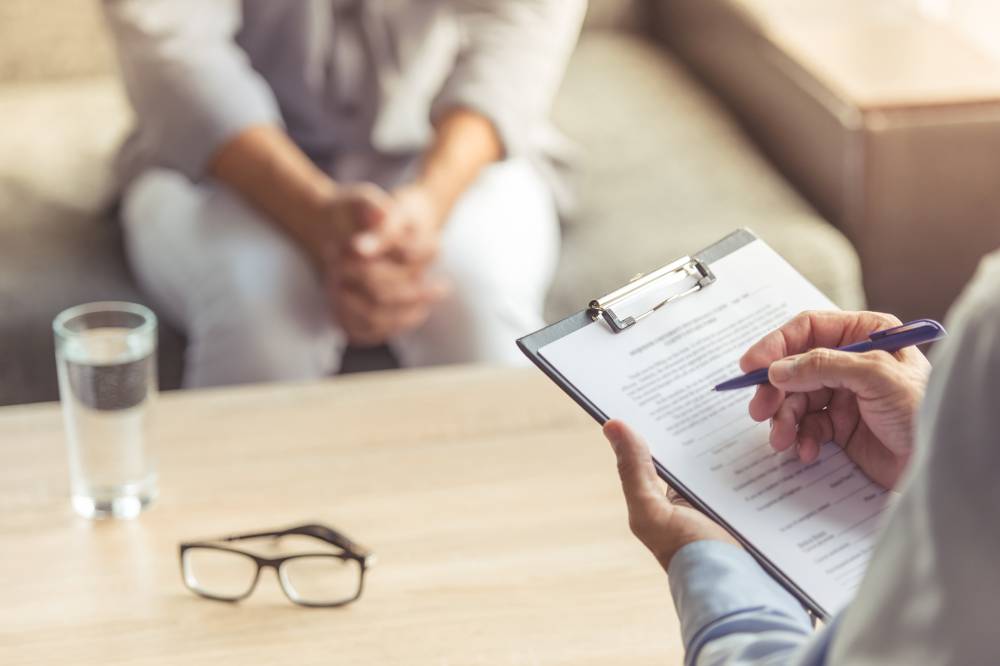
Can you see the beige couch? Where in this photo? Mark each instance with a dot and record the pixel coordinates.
(663, 170)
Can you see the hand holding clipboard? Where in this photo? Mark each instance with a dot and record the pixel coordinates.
(646, 353)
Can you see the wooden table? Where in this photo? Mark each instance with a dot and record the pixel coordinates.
(490, 499)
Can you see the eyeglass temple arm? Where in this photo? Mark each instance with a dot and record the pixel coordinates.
(314, 530)
(329, 535)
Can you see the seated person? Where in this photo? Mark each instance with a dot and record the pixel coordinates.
(307, 175)
(931, 594)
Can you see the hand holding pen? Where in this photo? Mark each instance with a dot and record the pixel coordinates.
(821, 385)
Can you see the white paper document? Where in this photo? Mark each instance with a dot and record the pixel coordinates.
(816, 523)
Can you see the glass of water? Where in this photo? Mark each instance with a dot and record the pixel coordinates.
(106, 358)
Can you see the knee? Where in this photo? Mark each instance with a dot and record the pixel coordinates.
(156, 195)
(502, 239)
(159, 214)
(485, 293)
(266, 304)
(475, 323)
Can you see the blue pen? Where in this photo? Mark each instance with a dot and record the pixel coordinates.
(916, 332)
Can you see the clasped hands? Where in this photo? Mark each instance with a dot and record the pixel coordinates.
(865, 403)
(375, 249)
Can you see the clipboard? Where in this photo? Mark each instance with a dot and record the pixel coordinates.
(693, 273)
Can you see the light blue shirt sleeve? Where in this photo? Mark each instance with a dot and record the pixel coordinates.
(512, 57)
(733, 614)
(192, 87)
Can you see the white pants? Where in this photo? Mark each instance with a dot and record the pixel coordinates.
(254, 310)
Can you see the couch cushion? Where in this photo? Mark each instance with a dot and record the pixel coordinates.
(58, 138)
(58, 245)
(54, 257)
(665, 171)
(52, 39)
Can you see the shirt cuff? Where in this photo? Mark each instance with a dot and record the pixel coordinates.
(718, 588)
(213, 110)
(484, 101)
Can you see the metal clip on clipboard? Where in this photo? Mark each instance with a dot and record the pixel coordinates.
(679, 271)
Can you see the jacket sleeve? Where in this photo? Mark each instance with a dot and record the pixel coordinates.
(732, 613)
(192, 87)
(511, 61)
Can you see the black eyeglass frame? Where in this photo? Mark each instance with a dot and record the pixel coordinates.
(349, 551)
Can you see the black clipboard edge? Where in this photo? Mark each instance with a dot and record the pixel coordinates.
(531, 345)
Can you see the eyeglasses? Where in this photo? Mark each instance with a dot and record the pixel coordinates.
(314, 579)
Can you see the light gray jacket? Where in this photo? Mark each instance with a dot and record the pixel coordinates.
(931, 594)
(342, 76)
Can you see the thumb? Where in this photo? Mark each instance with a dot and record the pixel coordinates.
(635, 468)
(381, 237)
(373, 219)
(862, 374)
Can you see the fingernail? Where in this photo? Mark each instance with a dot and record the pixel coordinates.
(782, 370)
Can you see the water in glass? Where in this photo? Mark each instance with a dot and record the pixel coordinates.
(107, 381)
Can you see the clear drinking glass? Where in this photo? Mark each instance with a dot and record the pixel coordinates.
(106, 358)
